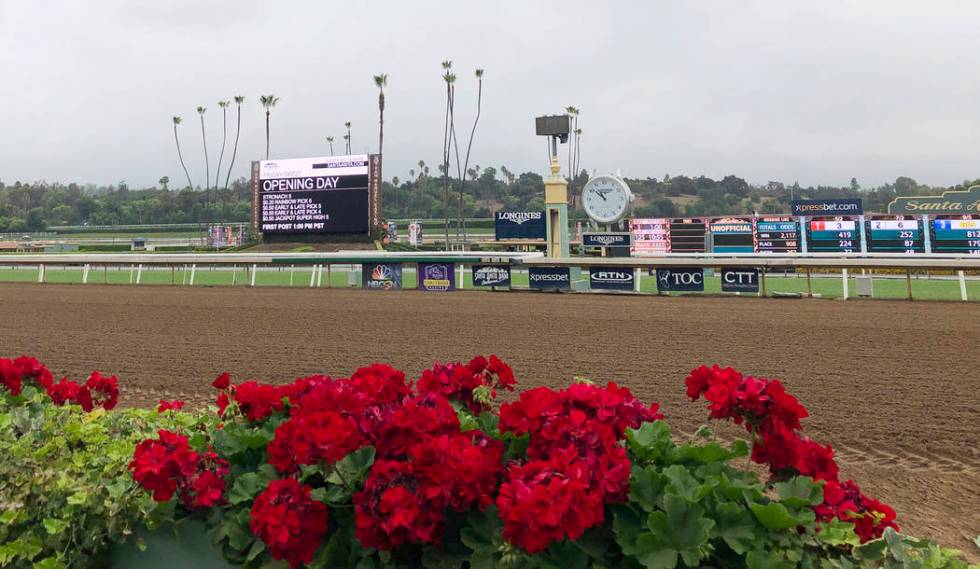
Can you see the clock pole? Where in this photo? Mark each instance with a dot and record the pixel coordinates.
(556, 207)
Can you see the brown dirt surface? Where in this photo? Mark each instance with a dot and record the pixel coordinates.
(891, 385)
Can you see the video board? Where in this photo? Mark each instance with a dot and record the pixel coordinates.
(833, 235)
(895, 234)
(687, 235)
(732, 235)
(650, 235)
(777, 235)
(313, 195)
(955, 234)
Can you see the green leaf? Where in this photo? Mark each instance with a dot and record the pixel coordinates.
(736, 526)
(651, 441)
(680, 530)
(799, 492)
(353, 468)
(837, 533)
(766, 559)
(775, 516)
(246, 487)
(54, 526)
(49, 563)
(646, 487)
(258, 547)
(705, 454)
(8, 517)
(78, 498)
(684, 484)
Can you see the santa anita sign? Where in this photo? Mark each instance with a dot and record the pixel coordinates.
(951, 202)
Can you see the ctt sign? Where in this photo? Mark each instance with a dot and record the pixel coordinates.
(688, 279)
(739, 280)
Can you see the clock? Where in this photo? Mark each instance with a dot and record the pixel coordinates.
(606, 199)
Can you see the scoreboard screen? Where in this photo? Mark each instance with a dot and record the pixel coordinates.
(895, 234)
(780, 235)
(956, 235)
(687, 235)
(650, 236)
(732, 235)
(833, 235)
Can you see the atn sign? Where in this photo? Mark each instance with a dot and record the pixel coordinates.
(312, 195)
(520, 225)
(610, 278)
(685, 279)
(739, 280)
(549, 278)
(491, 275)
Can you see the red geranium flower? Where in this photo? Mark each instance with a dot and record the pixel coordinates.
(104, 390)
(223, 381)
(311, 438)
(390, 511)
(289, 521)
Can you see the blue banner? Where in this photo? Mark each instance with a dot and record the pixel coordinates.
(680, 279)
(436, 277)
(520, 225)
(811, 208)
(491, 275)
(739, 280)
(611, 278)
(607, 239)
(381, 276)
(549, 278)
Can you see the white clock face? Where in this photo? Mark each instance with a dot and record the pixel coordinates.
(606, 199)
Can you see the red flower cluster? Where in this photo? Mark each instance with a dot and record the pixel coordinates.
(460, 383)
(541, 502)
(574, 448)
(289, 521)
(175, 405)
(14, 371)
(168, 464)
(96, 391)
(311, 438)
(773, 417)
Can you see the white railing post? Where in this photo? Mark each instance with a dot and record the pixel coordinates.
(85, 274)
(844, 280)
(193, 272)
(40, 273)
(963, 295)
(636, 279)
(313, 276)
(254, 267)
(139, 273)
(319, 275)
(131, 269)
(292, 270)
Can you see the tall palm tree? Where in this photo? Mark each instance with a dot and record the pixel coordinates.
(347, 143)
(573, 113)
(421, 167)
(238, 103)
(177, 121)
(380, 81)
(207, 164)
(347, 138)
(469, 147)
(163, 182)
(330, 142)
(224, 135)
(268, 101)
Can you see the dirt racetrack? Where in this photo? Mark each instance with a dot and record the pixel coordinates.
(892, 385)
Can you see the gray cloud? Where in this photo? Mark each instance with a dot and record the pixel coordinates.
(787, 90)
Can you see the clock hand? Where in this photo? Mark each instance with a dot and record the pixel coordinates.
(602, 195)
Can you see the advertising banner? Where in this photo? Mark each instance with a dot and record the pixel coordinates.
(680, 279)
(491, 275)
(950, 202)
(549, 278)
(739, 280)
(611, 278)
(313, 195)
(520, 225)
(812, 208)
(607, 239)
(381, 276)
(437, 277)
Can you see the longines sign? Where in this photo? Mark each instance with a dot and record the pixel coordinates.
(967, 201)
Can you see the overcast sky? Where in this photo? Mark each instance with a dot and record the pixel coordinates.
(769, 90)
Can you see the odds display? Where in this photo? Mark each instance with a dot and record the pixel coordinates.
(959, 234)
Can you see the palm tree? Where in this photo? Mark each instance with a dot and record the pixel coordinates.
(421, 167)
(572, 112)
(204, 139)
(238, 103)
(330, 142)
(268, 101)
(347, 143)
(469, 147)
(177, 121)
(347, 138)
(163, 181)
(380, 81)
(224, 135)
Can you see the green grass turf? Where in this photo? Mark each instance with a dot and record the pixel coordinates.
(827, 287)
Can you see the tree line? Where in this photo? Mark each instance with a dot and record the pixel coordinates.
(421, 195)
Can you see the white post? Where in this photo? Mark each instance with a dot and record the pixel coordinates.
(253, 274)
(459, 279)
(319, 275)
(193, 272)
(963, 286)
(292, 270)
(844, 280)
(636, 280)
(139, 273)
(85, 274)
(183, 275)
(131, 268)
(313, 276)
(234, 275)
(40, 273)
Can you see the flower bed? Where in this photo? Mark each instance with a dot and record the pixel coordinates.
(376, 470)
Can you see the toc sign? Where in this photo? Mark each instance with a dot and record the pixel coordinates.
(680, 279)
(739, 280)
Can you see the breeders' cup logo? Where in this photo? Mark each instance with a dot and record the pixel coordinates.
(519, 217)
(489, 275)
(436, 277)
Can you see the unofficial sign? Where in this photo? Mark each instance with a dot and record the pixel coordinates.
(967, 201)
(739, 280)
(438, 277)
(611, 278)
(810, 208)
(607, 239)
(520, 225)
(680, 279)
(382, 276)
(491, 275)
(547, 278)
(312, 195)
